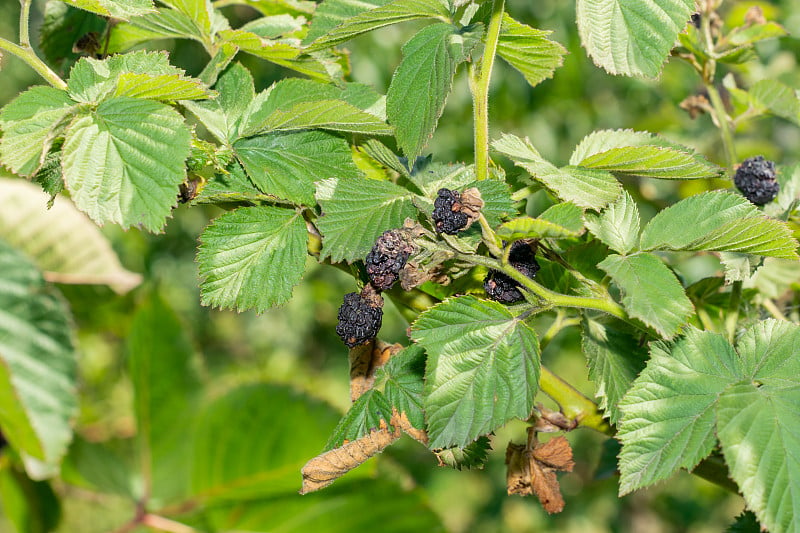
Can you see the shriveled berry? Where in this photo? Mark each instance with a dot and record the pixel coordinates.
(501, 288)
(388, 257)
(504, 289)
(755, 178)
(447, 214)
(359, 319)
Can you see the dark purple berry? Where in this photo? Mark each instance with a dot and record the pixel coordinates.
(360, 318)
(387, 258)
(447, 214)
(504, 289)
(755, 178)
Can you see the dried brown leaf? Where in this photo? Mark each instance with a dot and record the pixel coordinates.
(327, 467)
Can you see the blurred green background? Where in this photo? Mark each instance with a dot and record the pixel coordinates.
(296, 343)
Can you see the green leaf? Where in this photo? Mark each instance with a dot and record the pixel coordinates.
(669, 413)
(650, 291)
(364, 415)
(423, 80)
(652, 162)
(566, 214)
(560, 221)
(529, 50)
(288, 164)
(758, 424)
(51, 237)
(615, 357)
(745, 523)
(162, 24)
(222, 116)
(275, 7)
(334, 115)
(201, 12)
(166, 87)
(123, 161)
(774, 97)
(94, 80)
(232, 186)
(618, 225)
(343, 508)
(744, 35)
(251, 258)
(38, 397)
(631, 38)
(355, 212)
(473, 455)
(164, 383)
(589, 188)
(483, 368)
(402, 381)
(246, 443)
(118, 9)
(331, 13)
(721, 221)
(30, 123)
(49, 177)
(533, 228)
(432, 177)
(603, 140)
(775, 277)
(385, 15)
(287, 53)
(287, 94)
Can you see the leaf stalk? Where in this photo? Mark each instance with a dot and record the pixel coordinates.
(27, 54)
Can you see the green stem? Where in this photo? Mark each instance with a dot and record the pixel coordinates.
(720, 113)
(724, 122)
(732, 318)
(548, 297)
(572, 403)
(26, 54)
(479, 85)
(773, 309)
(24, 17)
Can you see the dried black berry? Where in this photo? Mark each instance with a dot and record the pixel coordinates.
(447, 214)
(502, 288)
(360, 318)
(388, 257)
(755, 178)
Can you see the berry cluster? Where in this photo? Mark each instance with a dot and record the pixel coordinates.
(448, 215)
(387, 258)
(504, 289)
(360, 317)
(755, 178)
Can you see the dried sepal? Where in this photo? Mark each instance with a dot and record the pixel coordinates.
(532, 469)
